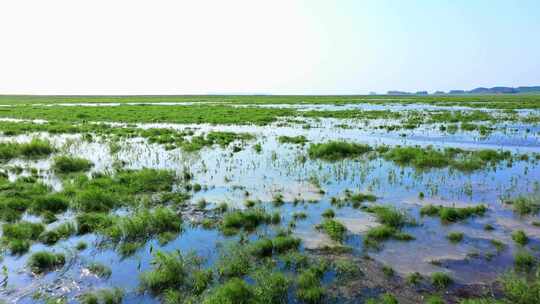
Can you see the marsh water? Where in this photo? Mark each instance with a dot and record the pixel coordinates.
(233, 175)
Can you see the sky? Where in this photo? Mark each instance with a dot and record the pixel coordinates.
(266, 47)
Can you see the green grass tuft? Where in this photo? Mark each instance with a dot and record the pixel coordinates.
(336, 150)
(453, 214)
(334, 229)
(43, 261)
(441, 280)
(68, 164)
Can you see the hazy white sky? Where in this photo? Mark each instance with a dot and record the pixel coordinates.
(278, 46)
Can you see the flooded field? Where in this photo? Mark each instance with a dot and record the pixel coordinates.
(217, 201)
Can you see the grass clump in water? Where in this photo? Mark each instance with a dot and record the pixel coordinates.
(247, 219)
(284, 243)
(100, 270)
(175, 272)
(386, 298)
(328, 213)
(308, 285)
(235, 261)
(144, 224)
(346, 269)
(526, 205)
(235, 291)
(392, 220)
(105, 296)
(361, 197)
(441, 280)
(8, 151)
(418, 157)
(63, 231)
(336, 150)
(390, 216)
(19, 236)
(92, 221)
(521, 289)
(425, 158)
(524, 261)
(334, 229)
(43, 261)
(146, 180)
(520, 237)
(105, 192)
(18, 196)
(53, 203)
(455, 237)
(36, 148)
(453, 214)
(298, 140)
(271, 286)
(68, 164)
(95, 200)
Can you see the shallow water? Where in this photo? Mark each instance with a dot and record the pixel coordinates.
(283, 169)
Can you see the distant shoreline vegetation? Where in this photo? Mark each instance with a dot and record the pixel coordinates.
(479, 90)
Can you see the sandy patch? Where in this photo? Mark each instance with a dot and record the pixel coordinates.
(315, 240)
(359, 225)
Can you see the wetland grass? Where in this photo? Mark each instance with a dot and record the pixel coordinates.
(92, 222)
(308, 285)
(453, 214)
(131, 207)
(174, 271)
(441, 280)
(36, 148)
(67, 164)
(334, 229)
(525, 205)
(105, 296)
(100, 270)
(144, 224)
(386, 298)
(346, 269)
(328, 213)
(43, 261)
(524, 261)
(462, 160)
(297, 140)
(18, 237)
(455, 237)
(248, 219)
(271, 286)
(234, 261)
(63, 231)
(520, 237)
(336, 150)
(235, 291)
(392, 221)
